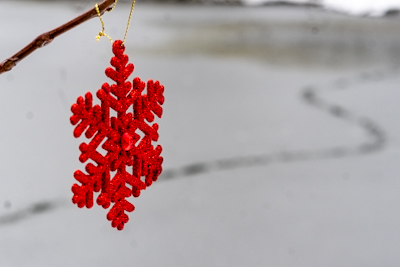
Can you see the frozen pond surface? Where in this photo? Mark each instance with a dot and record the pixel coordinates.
(280, 136)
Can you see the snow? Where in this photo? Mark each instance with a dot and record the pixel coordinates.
(354, 7)
(280, 138)
(363, 6)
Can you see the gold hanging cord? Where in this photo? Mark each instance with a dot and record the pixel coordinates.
(102, 33)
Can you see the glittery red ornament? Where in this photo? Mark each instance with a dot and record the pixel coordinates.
(120, 138)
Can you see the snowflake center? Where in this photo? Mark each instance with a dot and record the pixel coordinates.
(126, 141)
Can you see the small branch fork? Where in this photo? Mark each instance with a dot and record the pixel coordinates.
(48, 37)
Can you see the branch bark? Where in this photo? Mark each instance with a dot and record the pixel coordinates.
(48, 37)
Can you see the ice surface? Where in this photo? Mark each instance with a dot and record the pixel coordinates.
(280, 138)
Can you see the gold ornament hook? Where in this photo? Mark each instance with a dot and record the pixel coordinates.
(102, 32)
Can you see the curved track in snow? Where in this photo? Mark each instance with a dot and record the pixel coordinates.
(312, 96)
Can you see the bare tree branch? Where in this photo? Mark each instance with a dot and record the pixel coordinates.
(47, 37)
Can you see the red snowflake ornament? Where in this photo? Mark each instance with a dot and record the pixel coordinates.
(124, 146)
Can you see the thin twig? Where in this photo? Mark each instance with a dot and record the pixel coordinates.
(47, 37)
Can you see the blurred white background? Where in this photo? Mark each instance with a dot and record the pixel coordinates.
(358, 7)
(280, 134)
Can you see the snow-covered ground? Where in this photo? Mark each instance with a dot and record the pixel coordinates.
(280, 135)
(355, 7)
